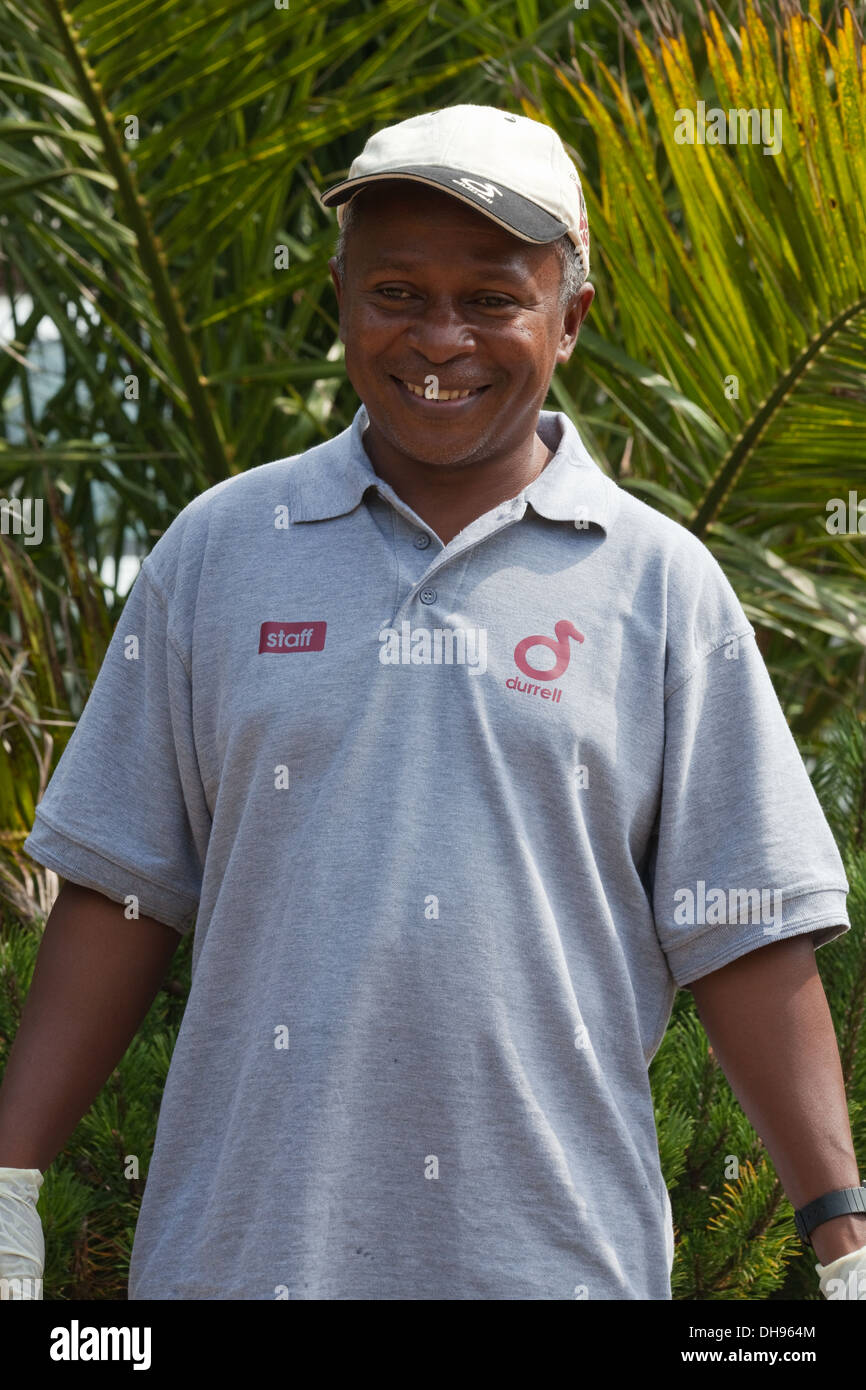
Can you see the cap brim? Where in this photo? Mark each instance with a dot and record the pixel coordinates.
(501, 205)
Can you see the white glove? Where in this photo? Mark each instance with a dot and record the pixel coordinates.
(22, 1243)
(845, 1277)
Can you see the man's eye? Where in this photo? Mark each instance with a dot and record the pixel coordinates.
(397, 295)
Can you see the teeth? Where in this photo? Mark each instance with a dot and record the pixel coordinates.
(441, 396)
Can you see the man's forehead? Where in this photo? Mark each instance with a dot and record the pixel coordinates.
(381, 256)
(387, 244)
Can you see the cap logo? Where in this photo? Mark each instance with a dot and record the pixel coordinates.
(481, 190)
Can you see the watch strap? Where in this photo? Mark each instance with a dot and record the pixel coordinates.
(845, 1201)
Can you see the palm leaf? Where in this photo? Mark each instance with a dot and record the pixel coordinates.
(746, 268)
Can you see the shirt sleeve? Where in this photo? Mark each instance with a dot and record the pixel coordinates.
(744, 854)
(125, 812)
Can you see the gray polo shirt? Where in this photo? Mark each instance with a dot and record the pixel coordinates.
(452, 823)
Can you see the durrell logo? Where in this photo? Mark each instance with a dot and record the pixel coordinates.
(561, 650)
(292, 637)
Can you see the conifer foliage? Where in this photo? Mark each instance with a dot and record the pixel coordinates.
(91, 1195)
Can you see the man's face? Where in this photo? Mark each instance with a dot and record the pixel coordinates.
(433, 288)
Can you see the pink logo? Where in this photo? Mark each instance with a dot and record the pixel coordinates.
(583, 228)
(292, 637)
(560, 647)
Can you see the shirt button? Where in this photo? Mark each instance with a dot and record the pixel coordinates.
(421, 540)
(427, 595)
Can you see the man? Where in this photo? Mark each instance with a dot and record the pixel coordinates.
(462, 759)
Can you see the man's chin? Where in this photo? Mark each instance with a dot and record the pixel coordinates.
(423, 447)
(435, 458)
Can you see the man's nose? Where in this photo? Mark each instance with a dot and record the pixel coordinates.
(440, 331)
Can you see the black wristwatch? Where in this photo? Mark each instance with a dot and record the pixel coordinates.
(845, 1201)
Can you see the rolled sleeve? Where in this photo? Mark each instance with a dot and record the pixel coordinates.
(125, 812)
(744, 854)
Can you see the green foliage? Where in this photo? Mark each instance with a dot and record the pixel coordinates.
(88, 1204)
(839, 778)
(733, 1234)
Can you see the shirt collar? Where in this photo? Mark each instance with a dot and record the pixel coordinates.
(331, 478)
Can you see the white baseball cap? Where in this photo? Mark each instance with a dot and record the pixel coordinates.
(509, 168)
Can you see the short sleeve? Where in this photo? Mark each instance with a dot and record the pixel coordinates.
(744, 854)
(125, 812)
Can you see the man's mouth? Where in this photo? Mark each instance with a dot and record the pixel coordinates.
(439, 393)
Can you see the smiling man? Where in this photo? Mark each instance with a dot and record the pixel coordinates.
(441, 906)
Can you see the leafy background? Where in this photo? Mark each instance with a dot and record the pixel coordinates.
(153, 156)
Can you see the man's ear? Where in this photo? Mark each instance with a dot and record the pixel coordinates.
(335, 277)
(575, 312)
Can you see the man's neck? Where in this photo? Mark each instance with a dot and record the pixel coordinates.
(448, 503)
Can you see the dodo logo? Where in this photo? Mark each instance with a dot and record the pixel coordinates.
(560, 648)
(564, 630)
